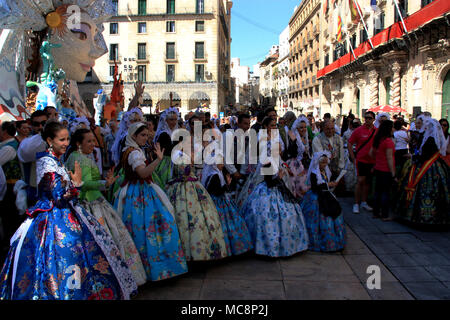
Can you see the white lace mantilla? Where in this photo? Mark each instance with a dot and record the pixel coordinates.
(47, 164)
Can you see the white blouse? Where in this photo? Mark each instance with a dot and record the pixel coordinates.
(136, 158)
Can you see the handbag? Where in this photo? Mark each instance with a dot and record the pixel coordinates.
(328, 204)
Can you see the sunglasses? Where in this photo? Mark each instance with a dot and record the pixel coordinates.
(37, 124)
(368, 118)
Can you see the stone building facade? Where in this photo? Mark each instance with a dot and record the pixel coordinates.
(407, 69)
(305, 46)
(174, 46)
(267, 81)
(282, 73)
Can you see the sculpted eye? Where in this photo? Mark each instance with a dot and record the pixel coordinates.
(81, 34)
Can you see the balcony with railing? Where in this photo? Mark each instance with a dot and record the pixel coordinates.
(142, 58)
(316, 29)
(115, 57)
(200, 56)
(316, 56)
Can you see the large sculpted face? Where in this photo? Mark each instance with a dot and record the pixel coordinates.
(78, 50)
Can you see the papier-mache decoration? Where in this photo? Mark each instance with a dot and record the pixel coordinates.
(70, 40)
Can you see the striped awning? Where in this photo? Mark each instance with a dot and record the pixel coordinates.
(175, 96)
(199, 95)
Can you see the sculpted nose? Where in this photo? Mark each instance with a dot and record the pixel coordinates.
(98, 46)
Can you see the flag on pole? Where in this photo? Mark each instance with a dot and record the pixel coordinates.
(400, 15)
(325, 6)
(354, 10)
(339, 30)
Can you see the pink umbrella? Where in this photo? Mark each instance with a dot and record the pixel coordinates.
(388, 109)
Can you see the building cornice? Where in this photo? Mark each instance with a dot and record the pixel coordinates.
(302, 26)
(161, 16)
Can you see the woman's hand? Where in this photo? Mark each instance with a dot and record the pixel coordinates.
(110, 179)
(159, 152)
(332, 184)
(77, 175)
(138, 88)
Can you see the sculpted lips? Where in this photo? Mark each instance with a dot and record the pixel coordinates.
(86, 67)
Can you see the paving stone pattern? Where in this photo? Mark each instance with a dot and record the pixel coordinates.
(413, 265)
(418, 259)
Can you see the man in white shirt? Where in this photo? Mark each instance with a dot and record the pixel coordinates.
(27, 151)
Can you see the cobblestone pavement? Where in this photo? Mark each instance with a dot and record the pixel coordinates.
(419, 259)
(413, 265)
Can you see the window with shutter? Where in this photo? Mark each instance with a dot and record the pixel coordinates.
(142, 7)
(170, 50)
(170, 6)
(199, 50)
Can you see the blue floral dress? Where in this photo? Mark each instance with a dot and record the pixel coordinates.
(61, 252)
(275, 220)
(325, 233)
(237, 237)
(148, 216)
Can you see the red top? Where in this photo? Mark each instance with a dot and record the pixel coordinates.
(358, 137)
(381, 163)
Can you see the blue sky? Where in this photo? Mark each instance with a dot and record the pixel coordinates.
(256, 26)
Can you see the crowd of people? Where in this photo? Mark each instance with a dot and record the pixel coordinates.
(94, 211)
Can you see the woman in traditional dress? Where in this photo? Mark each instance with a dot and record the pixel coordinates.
(133, 116)
(255, 176)
(61, 251)
(425, 190)
(195, 212)
(298, 157)
(350, 177)
(274, 216)
(237, 238)
(325, 232)
(147, 212)
(416, 135)
(445, 130)
(168, 123)
(83, 143)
